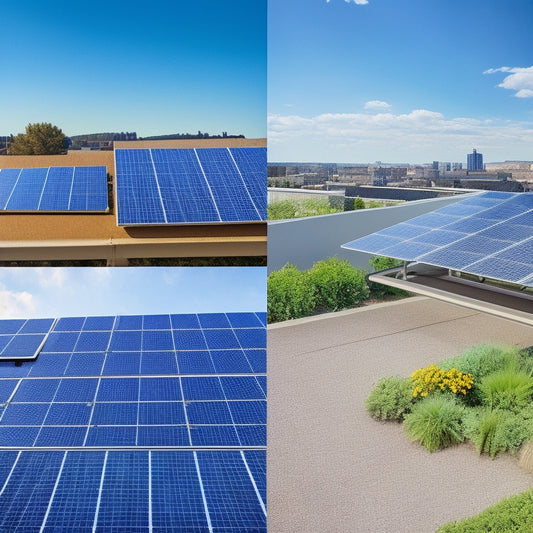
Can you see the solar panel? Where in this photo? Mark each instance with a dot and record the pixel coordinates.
(97, 435)
(488, 235)
(54, 189)
(190, 185)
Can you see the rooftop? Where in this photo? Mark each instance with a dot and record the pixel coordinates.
(330, 466)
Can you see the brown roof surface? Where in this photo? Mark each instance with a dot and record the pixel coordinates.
(19, 231)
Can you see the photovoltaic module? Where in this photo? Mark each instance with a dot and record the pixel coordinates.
(488, 234)
(61, 189)
(135, 423)
(190, 185)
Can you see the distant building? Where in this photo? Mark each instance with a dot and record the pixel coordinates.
(474, 161)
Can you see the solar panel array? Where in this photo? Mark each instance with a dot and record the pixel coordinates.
(187, 186)
(54, 189)
(489, 234)
(136, 423)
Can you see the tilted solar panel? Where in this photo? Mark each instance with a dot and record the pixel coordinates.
(190, 186)
(489, 234)
(54, 189)
(120, 424)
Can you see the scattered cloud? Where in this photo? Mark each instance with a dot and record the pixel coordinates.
(377, 105)
(520, 80)
(358, 2)
(288, 105)
(15, 304)
(419, 136)
(50, 277)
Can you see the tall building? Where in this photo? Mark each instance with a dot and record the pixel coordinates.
(474, 161)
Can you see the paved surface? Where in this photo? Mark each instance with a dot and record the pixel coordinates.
(331, 468)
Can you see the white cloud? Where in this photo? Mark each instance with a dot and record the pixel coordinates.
(15, 304)
(520, 80)
(51, 277)
(377, 105)
(358, 2)
(419, 136)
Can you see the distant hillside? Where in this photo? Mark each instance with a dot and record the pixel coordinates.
(198, 135)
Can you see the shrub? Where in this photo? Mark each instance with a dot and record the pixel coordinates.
(435, 422)
(359, 203)
(432, 378)
(485, 436)
(510, 514)
(507, 389)
(338, 284)
(284, 209)
(483, 360)
(390, 399)
(378, 290)
(290, 294)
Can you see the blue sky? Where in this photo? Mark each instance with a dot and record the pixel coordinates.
(59, 292)
(399, 80)
(154, 68)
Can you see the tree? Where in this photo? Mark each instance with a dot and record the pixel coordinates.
(40, 139)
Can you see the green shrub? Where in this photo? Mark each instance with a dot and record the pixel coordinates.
(485, 436)
(338, 285)
(507, 389)
(378, 290)
(511, 514)
(290, 294)
(390, 399)
(358, 203)
(483, 360)
(435, 422)
(284, 209)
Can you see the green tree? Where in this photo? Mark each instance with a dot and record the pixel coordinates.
(40, 139)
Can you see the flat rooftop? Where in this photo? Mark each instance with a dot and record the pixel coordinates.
(33, 237)
(331, 467)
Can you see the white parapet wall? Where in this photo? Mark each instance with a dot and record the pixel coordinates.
(304, 241)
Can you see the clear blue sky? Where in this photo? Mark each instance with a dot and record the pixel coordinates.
(151, 67)
(59, 292)
(400, 80)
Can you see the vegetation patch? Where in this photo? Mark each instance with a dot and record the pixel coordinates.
(329, 285)
(511, 514)
(285, 209)
(484, 395)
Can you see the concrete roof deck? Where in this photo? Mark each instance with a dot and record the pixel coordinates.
(331, 468)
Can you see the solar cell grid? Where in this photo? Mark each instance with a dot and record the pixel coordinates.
(184, 186)
(77, 400)
(54, 189)
(490, 237)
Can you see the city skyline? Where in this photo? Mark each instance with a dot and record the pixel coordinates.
(367, 80)
(59, 292)
(163, 69)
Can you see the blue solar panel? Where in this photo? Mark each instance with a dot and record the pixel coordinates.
(93, 424)
(188, 186)
(32, 482)
(252, 163)
(27, 191)
(175, 504)
(209, 413)
(488, 235)
(76, 494)
(59, 189)
(230, 493)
